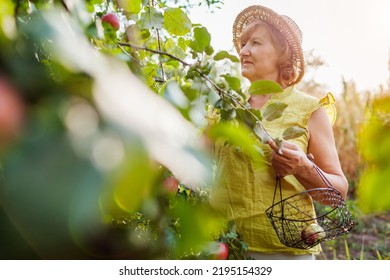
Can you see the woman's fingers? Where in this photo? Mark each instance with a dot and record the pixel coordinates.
(286, 158)
(284, 148)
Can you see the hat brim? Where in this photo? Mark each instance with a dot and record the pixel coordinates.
(286, 26)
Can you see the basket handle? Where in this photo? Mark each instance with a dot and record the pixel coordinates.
(320, 173)
(278, 183)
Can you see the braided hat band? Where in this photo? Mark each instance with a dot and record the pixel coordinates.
(285, 25)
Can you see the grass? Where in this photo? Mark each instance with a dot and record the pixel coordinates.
(368, 240)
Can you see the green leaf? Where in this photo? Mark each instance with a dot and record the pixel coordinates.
(372, 182)
(176, 22)
(202, 39)
(228, 114)
(130, 6)
(7, 9)
(293, 132)
(233, 82)
(274, 111)
(137, 36)
(224, 54)
(261, 133)
(279, 144)
(151, 19)
(264, 87)
(244, 116)
(238, 136)
(172, 48)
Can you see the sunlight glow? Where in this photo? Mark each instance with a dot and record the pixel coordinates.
(351, 36)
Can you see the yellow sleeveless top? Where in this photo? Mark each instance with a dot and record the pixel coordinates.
(246, 189)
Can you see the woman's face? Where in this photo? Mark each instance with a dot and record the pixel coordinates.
(259, 58)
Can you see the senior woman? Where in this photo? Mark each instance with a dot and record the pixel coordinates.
(270, 48)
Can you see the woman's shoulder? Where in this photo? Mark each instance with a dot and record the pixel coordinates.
(297, 94)
(301, 101)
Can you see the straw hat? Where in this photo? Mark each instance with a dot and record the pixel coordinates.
(285, 25)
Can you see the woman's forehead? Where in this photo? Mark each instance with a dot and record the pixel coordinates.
(256, 29)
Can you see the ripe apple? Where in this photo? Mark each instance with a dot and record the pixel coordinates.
(171, 184)
(12, 111)
(222, 252)
(217, 250)
(111, 19)
(312, 233)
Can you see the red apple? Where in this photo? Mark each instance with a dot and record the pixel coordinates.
(111, 19)
(222, 252)
(171, 184)
(12, 112)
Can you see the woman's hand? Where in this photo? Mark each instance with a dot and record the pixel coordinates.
(289, 159)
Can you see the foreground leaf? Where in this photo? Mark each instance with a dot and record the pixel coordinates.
(293, 132)
(264, 87)
(261, 133)
(274, 111)
(237, 136)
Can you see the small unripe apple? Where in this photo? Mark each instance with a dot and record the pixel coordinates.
(312, 233)
(171, 184)
(111, 19)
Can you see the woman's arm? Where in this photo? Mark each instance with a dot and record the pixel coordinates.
(322, 146)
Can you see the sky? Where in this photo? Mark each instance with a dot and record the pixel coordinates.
(352, 36)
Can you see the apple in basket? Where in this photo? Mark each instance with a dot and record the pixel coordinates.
(312, 233)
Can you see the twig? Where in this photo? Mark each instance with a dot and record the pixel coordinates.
(219, 90)
(132, 57)
(16, 11)
(65, 5)
(159, 48)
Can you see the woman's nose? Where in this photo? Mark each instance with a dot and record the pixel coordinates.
(244, 51)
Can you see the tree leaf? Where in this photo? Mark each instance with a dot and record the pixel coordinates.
(233, 82)
(274, 111)
(152, 19)
(279, 144)
(130, 6)
(293, 132)
(176, 22)
(224, 54)
(237, 136)
(244, 116)
(202, 39)
(264, 87)
(174, 49)
(261, 133)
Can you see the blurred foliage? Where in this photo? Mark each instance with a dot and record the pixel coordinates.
(80, 184)
(373, 191)
(80, 172)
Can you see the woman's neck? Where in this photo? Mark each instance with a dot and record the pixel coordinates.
(258, 101)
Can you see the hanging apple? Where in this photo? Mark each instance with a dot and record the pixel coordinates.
(12, 111)
(112, 19)
(171, 184)
(223, 251)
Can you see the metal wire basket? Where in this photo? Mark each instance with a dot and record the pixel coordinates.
(308, 218)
